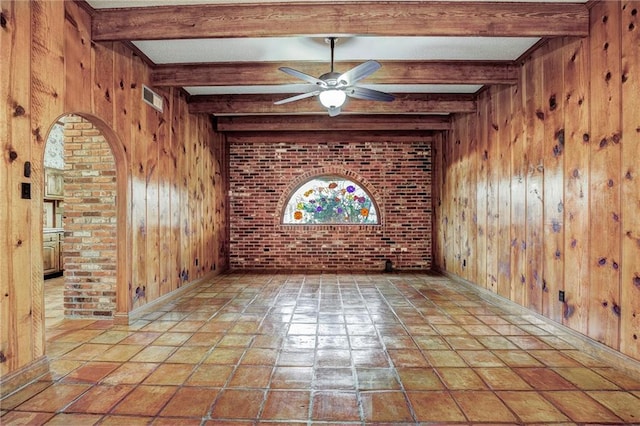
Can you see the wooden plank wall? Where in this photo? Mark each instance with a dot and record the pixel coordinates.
(630, 181)
(171, 167)
(555, 168)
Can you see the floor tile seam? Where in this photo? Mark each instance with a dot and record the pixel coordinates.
(512, 410)
(427, 322)
(424, 350)
(212, 405)
(389, 362)
(70, 403)
(122, 398)
(544, 393)
(139, 385)
(279, 354)
(562, 332)
(444, 383)
(558, 370)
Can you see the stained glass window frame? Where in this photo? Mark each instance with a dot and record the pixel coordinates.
(330, 199)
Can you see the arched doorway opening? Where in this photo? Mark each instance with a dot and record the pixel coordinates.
(80, 220)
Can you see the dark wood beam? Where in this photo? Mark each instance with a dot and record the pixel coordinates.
(263, 104)
(392, 72)
(402, 18)
(331, 136)
(347, 122)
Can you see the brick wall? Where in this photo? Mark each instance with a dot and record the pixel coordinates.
(396, 174)
(89, 248)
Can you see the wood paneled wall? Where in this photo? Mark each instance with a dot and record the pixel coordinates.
(539, 191)
(170, 168)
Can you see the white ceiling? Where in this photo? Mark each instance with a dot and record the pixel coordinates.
(351, 48)
(316, 49)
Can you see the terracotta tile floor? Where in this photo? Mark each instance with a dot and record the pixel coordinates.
(54, 300)
(249, 349)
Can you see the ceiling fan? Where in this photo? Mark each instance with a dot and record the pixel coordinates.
(332, 88)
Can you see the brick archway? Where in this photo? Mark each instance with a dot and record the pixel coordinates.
(95, 242)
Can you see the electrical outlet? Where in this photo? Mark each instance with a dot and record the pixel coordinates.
(561, 295)
(25, 191)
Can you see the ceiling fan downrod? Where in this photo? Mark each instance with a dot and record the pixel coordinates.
(332, 41)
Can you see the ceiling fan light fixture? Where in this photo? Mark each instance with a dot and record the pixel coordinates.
(332, 98)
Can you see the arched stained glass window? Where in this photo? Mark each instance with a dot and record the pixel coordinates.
(330, 200)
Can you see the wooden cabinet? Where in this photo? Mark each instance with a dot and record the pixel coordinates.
(53, 183)
(52, 221)
(52, 252)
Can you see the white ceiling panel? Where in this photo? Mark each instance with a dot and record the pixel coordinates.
(352, 48)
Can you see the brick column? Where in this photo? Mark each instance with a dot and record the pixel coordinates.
(89, 248)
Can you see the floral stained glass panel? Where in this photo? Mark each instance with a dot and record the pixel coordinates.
(330, 200)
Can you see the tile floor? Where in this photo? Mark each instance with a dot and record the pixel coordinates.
(53, 301)
(247, 349)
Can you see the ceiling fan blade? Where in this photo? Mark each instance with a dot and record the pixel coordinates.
(334, 111)
(358, 72)
(302, 76)
(369, 94)
(297, 97)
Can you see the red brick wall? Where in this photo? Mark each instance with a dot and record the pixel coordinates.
(264, 175)
(89, 248)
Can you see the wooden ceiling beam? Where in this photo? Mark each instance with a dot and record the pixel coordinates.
(395, 136)
(401, 18)
(270, 123)
(415, 103)
(392, 72)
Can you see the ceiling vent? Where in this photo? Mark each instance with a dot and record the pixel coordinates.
(152, 98)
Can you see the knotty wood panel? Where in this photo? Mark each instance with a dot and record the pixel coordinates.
(172, 257)
(49, 69)
(138, 287)
(437, 179)
(503, 179)
(103, 80)
(461, 236)
(471, 170)
(518, 200)
(150, 136)
(580, 198)
(452, 209)
(482, 159)
(165, 173)
(77, 59)
(448, 206)
(178, 193)
(221, 212)
(553, 192)
(534, 126)
(123, 98)
(604, 206)
(492, 154)
(630, 275)
(16, 336)
(576, 186)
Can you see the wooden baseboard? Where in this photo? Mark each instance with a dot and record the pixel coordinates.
(23, 376)
(126, 319)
